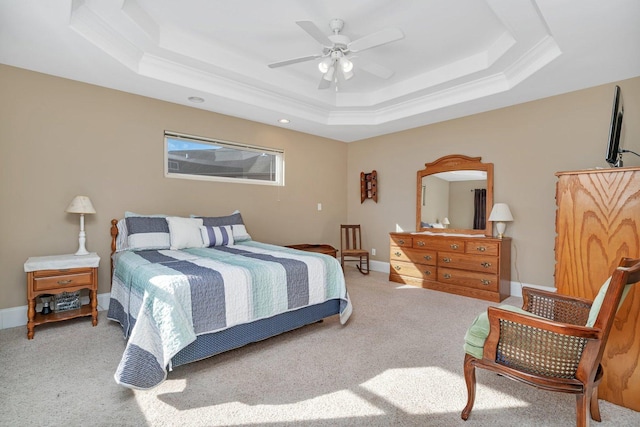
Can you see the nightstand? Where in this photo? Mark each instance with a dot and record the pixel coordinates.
(53, 275)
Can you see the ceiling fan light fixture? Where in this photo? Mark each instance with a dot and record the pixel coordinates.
(334, 63)
(324, 65)
(346, 65)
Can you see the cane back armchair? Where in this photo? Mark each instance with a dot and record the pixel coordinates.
(555, 342)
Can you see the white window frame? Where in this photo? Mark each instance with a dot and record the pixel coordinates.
(278, 153)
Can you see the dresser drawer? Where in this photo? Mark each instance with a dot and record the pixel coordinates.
(420, 271)
(438, 244)
(402, 241)
(483, 248)
(413, 255)
(55, 279)
(478, 263)
(468, 279)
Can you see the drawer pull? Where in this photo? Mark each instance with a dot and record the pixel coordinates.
(64, 282)
(481, 248)
(427, 257)
(454, 246)
(427, 272)
(397, 267)
(420, 243)
(486, 264)
(485, 282)
(446, 259)
(446, 276)
(401, 241)
(397, 253)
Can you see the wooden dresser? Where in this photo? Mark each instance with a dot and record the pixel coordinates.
(597, 223)
(478, 267)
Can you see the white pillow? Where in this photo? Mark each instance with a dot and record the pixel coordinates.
(240, 233)
(185, 232)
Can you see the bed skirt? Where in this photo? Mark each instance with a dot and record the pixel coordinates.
(208, 345)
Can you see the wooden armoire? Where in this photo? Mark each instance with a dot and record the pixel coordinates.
(597, 223)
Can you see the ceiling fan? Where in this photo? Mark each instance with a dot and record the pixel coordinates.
(337, 49)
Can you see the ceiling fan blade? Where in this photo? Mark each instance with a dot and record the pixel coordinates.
(378, 38)
(293, 61)
(375, 69)
(315, 32)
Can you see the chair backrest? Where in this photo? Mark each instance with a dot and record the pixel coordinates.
(350, 236)
(626, 274)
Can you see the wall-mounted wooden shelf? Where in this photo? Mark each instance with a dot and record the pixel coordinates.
(369, 186)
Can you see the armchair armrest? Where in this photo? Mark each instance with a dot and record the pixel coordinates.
(556, 307)
(536, 345)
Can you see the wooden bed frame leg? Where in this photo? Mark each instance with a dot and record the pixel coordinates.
(470, 379)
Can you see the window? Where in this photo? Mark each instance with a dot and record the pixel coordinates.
(192, 157)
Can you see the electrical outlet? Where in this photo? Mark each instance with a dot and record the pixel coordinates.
(319, 206)
(373, 251)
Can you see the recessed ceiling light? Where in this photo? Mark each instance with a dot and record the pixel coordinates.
(196, 99)
(283, 121)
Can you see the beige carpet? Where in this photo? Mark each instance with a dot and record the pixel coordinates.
(397, 362)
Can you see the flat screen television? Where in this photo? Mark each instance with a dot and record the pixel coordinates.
(614, 156)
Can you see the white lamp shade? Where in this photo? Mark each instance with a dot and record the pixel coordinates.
(81, 205)
(324, 65)
(501, 212)
(445, 221)
(346, 65)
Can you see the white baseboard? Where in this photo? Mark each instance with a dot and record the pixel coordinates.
(516, 288)
(17, 316)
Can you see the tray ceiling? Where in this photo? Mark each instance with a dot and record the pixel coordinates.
(457, 58)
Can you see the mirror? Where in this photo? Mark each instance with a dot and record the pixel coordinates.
(455, 195)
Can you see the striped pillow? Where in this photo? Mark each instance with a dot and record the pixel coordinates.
(239, 230)
(217, 236)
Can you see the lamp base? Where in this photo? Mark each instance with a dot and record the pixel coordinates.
(500, 228)
(82, 238)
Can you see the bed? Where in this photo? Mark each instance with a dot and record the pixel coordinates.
(184, 289)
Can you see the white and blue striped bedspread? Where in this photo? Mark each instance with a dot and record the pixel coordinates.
(165, 298)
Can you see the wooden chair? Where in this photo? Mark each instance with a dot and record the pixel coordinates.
(546, 343)
(351, 247)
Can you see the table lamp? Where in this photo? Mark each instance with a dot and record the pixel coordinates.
(81, 205)
(500, 214)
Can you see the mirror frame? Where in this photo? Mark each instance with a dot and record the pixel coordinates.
(450, 163)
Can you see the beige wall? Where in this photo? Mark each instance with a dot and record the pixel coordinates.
(61, 138)
(527, 143)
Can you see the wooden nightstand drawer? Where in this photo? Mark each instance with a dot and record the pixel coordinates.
(46, 280)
